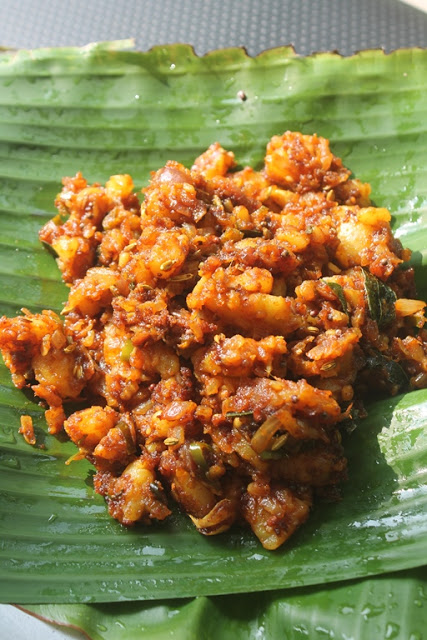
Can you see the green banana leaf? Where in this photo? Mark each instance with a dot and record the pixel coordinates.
(106, 110)
(388, 606)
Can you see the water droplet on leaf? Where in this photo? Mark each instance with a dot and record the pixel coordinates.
(392, 630)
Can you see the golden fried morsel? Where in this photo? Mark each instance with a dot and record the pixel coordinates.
(38, 354)
(274, 513)
(134, 495)
(220, 333)
(75, 233)
(27, 429)
(303, 163)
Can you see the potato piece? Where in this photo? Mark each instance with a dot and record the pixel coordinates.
(259, 311)
(168, 254)
(215, 161)
(238, 356)
(119, 186)
(87, 427)
(303, 163)
(274, 514)
(35, 346)
(194, 495)
(366, 240)
(95, 291)
(56, 369)
(134, 495)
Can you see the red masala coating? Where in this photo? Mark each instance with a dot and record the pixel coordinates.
(221, 331)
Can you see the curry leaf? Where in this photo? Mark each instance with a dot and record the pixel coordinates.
(381, 299)
(395, 374)
(339, 292)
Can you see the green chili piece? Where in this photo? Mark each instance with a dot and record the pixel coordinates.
(198, 452)
(126, 350)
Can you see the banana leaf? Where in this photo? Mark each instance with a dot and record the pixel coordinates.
(104, 110)
(387, 606)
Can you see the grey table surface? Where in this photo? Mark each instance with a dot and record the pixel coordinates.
(346, 26)
(309, 25)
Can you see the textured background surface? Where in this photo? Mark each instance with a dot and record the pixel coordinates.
(310, 25)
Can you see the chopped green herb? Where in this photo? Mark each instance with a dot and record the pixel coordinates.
(271, 455)
(238, 414)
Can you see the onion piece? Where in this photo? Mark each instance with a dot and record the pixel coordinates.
(261, 440)
(407, 307)
(219, 519)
